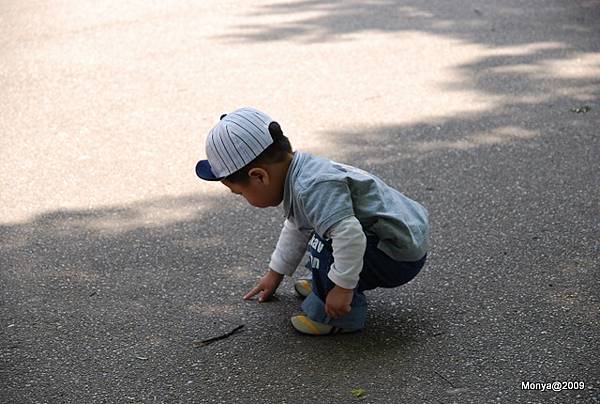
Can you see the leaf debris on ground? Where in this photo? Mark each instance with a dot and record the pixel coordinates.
(358, 392)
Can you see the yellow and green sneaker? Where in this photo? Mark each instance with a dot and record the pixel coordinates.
(303, 287)
(307, 326)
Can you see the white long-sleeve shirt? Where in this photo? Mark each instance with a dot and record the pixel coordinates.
(348, 242)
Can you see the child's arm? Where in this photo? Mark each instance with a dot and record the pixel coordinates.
(286, 257)
(349, 243)
(290, 249)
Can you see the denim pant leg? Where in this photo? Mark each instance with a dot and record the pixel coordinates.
(320, 260)
(379, 270)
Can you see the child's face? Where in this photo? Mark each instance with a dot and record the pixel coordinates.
(260, 191)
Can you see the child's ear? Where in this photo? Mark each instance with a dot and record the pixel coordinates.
(260, 175)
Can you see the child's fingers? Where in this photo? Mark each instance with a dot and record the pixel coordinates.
(334, 312)
(253, 292)
(265, 295)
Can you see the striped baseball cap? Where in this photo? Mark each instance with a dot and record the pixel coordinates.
(235, 141)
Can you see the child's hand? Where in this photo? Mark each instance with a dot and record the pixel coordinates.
(266, 286)
(337, 303)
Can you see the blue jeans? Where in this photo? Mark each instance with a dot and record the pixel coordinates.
(379, 270)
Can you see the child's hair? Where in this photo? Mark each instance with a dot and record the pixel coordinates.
(276, 152)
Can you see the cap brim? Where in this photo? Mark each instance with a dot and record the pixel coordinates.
(204, 171)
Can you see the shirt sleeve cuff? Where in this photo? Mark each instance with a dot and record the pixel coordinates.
(279, 266)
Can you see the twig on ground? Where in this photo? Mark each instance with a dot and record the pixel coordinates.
(204, 342)
(449, 382)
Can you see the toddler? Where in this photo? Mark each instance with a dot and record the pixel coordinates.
(360, 233)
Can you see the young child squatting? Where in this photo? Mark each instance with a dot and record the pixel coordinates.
(360, 233)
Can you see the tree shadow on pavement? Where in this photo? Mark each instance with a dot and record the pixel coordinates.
(509, 290)
(507, 24)
(118, 294)
(99, 302)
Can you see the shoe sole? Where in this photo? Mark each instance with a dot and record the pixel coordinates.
(303, 288)
(306, 326)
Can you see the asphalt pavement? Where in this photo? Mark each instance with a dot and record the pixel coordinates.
(115, 258)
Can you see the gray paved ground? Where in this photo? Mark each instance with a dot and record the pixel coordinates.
(114, 258)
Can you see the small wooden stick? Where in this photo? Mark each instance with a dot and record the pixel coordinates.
(207, 341)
